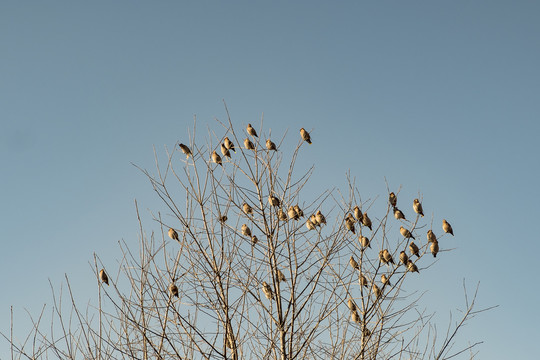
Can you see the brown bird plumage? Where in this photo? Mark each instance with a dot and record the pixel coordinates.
(403, 257)
(228, 144)
(406, 233)
(270, 145)
(305, 136)
(298, 211)
(385, 280)
(447, 227)
(417, 206)
(186, 150)
(223, 218)
(310, 225)
(103, 276)
(357, 213)
(267, 290)
(351, 305)
(251, 131)
(354, 264)
(281, 215)
(225, 151)
(248, 144)
(246, 230)
(431, 236)
(388, 257)
(414, 249)
(398, 214)
(366, 221)
(364, 241)
(434, 248)
(320, 217)
(362, 280)
(248, 210)
(392, 199)
(274, 201)
(355, 317)
(173, 290)
(216, 158)
(349, 224)
(376, 291)
(254, 240)
(292, 213)
(412, 267)
(173, 234)
(280, 276)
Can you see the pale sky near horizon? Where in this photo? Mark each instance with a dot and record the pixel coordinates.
(441, 98)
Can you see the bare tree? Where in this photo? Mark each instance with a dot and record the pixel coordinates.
(248, 264)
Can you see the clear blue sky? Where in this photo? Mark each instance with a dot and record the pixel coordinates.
(440, 97)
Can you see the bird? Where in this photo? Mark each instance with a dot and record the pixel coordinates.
(385, 280)
(313, 219)
(351, 305)
(412, 267)
(414, 249)
(349, 223)
(431, 236)
(366, 221)
(173, 234)
(310, 225)
(434, 248)
(320, 217)
(270, 145)
(103, 276)
(398, 214)
(355, 317)
(173, 290)
(248, 210)
(357, 213)
(381, 257)
(298, 211)
(406, 233)
(246, 231)
(267, 290)
(280, 276)
(403, 257)
(392, 199)
(254, 239)
(185, 149)
(228, 144)
(305, 136)
(281, 215)
(292, 213)
(388, 257)
(223, 218)
(364, 241)
(362, 280)
(225, 151)
(251, 131)
(447, 227)
(354, 264)
(248, 144)
(274, 201)
(417, 206)
(216, 158)
(376, 291)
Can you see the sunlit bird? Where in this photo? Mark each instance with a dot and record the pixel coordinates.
(280, 276)
(310, 225)
(305, 135)
(398, 214)
(354, 264)
(357, 213)
(246, 230)
(173, 234)
(103, 276)
(406, 233)
(414, 249)
(313, 219)
(385, 280)
(298, 211)
(351, 305)
(186, 150)
(364, 241)
(355, 317)
(403, 258)
(225, 151)
(251, 131)
(267, 290)
(274, 201)
(228, 144)
(362, 280)
(254, 240)
(447, 227)
(434, 248)
(392, 199)
(281, 215)
(376, 291)
(388, 257)
(248, 144)
(417, 206)
(381, 257)
(349, 224)
(292, 213)
(366, 221)
(270, 145)
(248, 210)
(320, 217)
(173, 290)
(431, 236)
(412, 267)
(216, 158)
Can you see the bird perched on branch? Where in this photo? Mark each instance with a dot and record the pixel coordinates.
(385, 280)
(364, 241)
(281, 215)
(354, 264)
(320, 218)
(216, 158)
(434, 248)
(366, 221)
(417, 206)
(406, 233)
(292, 213)
(447, 227)
(310, 225)
(228, 144)
(358, 214)
(225, 151)
(248, 144)
(376, 291)
(412, 267)
(248, 210)
(388, 257)
(223, 219)
(403, 258)
(254, 240)
(270, 145)
(349, 224)
(392, 199)
(267, 290)
(431, 236)
(298, 211)
(414, 249)
(173, 290)
(362, 280)
(351, 305)
(103, 276)
(274, 201)
(355, 317)
(313, 219)
(186, 150)
(173, 234)
(398, 214)
(251, 131)
(305, 136)
(246, 231)
(280, 276)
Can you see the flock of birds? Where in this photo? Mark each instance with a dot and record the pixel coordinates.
(317, 219)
